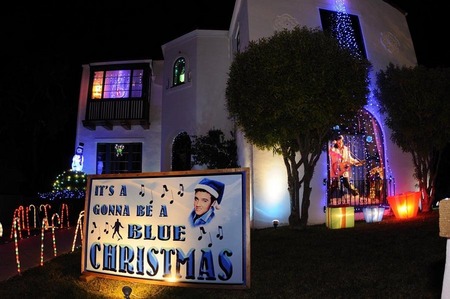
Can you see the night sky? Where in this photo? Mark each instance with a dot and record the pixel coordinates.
(86, 32)
(67, 34)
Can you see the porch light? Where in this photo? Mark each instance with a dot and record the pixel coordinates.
(275, 223)
(126, 292)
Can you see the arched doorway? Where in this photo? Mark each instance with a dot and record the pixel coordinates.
(364, 140)
(181, 152)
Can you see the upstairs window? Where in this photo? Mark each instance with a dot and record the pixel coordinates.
(179, 71)
(345, 28)
(117, 84)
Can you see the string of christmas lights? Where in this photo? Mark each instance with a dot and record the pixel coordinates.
(78, 228)
(16, 226)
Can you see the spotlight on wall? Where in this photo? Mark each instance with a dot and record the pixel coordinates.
(127, 291)
(275, 223)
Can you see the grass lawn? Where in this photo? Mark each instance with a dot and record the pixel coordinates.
(390, 259)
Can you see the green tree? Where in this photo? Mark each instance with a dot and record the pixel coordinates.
(286, 92)
(416, 104)
(214, 151)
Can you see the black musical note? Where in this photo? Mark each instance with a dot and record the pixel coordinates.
(95, 226)
(106, 230)
(171, 201)
(210, 240)
(202, 232)
(165, 190)
(220, 234)
(181, 191)
(142, 192)
(151, 195)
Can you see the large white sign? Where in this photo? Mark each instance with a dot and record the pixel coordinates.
(173, 228)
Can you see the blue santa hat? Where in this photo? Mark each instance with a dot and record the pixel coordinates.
(215, 188)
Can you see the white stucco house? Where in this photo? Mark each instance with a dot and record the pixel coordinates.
(144, 108)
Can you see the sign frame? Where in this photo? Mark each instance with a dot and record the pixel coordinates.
(137, 228)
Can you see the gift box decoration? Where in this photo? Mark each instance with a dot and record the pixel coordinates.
(444, 218)
(340, 217)
(373, 214)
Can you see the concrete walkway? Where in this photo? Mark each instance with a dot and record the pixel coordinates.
(29, 250)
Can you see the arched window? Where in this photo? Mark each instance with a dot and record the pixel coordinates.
(364, 139)
(179, 71)
(181, 152)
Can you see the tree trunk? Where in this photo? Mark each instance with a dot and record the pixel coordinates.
(426, 200)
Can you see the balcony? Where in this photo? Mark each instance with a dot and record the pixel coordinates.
(370, 193)
(117, 112)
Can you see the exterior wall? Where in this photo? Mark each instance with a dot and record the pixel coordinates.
(198, 105)
(387, 39)
(151, 138)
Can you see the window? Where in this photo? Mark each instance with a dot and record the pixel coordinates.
(344, 27)
(238, 40)
(179, 71)
(118, 96)
(119, 158)
(117, 84)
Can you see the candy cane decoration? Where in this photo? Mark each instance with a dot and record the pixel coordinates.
(53, 217)
(27, 211)
(45, 210)
(15, 217)
(66, 208)
(54, 240)
(22, 216)
(16, 224)
(34, 213)
(79, 227)
(44, 224)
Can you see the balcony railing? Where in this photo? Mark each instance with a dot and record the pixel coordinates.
(117, 112)
(371, 192)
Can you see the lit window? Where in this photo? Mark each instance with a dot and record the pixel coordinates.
(119, 158)
(345, 28)
(179, 71)
(117, 84)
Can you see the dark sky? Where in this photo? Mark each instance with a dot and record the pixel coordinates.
(429, 26)
(88, 31)
(48, 39)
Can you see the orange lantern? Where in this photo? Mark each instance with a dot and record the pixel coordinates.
(405, 205)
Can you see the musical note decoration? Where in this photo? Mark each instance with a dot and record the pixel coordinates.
(220, 233)
(95, 226)
(203, 232)
(181, 191)
(165, 189)
(142, 192)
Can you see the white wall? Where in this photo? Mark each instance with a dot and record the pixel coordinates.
(387, 39)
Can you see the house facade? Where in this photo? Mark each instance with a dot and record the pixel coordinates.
(137, 116)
